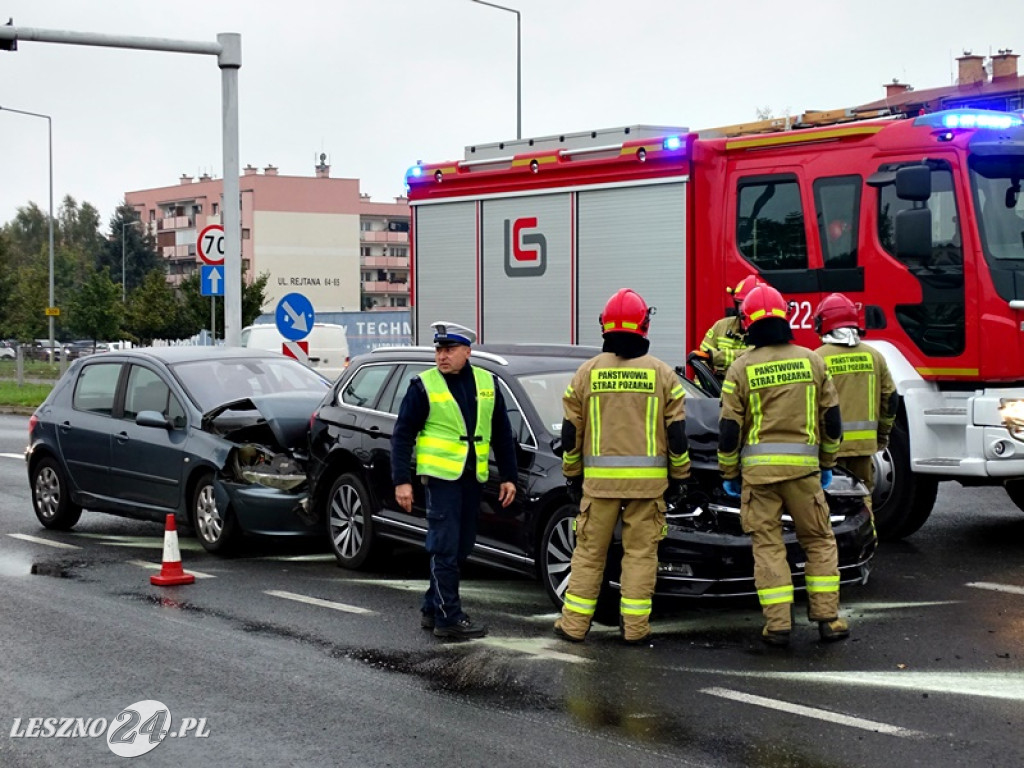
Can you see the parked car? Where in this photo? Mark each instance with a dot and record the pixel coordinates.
(8, 350)
(704, 554)
(216, 436)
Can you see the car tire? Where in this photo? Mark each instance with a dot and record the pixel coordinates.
(51, 496)
(902, 499)
(555, 558)
(216, 529)
(349, 517)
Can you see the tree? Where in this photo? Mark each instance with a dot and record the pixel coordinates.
(157, 311)
(94, 311)
(139, 257)
(198, 306)
(24, 309)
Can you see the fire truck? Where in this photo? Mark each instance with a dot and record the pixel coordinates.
(920, 220)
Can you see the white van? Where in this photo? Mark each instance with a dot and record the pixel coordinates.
(328, 345)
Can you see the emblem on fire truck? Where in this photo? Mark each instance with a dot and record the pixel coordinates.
(526, 254)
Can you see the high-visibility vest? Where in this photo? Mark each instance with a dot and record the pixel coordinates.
(442, 446)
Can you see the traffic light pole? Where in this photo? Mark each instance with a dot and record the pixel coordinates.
(228, 50)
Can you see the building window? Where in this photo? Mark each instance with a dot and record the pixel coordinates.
(246, 234)
(400, 302)
(366, 226)
(216, 208)
(399, 252)
(152, 214)
(364, 250)
(197, 208)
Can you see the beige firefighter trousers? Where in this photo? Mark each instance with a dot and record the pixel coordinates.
(761, 514)
(643, 526)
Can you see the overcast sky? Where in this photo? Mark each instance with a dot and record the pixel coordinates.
(380, 84)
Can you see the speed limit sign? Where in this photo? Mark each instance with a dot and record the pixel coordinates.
(211, 244)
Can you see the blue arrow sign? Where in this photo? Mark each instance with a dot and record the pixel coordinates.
(211, 280)
(294, 316)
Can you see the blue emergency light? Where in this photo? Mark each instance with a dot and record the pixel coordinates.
(971, 119)
(672, 142)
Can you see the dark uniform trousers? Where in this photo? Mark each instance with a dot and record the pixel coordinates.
(452, 510)
(761, 510)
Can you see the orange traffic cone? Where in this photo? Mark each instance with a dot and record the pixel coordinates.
(171, 574)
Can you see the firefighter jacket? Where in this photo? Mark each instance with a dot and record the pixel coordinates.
(779, 396)
(724, 342)
(866, 395)
(619, 413)
(442, 447)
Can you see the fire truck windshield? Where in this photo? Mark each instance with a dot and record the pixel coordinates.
(996, 186)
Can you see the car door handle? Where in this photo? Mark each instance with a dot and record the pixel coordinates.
(65, 427)
(121, 437)
(375, 432)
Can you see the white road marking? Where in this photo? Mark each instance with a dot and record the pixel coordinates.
(158, 566)
(317, 601)
(39, 540)
(143, 542)
(818, 714)
(13, 456)
(300, 558)
(997, 587)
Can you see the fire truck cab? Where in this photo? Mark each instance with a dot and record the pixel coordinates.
(920, 220)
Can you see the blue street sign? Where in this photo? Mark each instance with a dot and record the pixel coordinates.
(211, 280)
(294, 316)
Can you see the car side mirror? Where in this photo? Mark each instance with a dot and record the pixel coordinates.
(152, 419)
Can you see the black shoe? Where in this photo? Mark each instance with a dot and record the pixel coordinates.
(778, 638)
(646, 639)
(464, 629)
(559, 632)
(836, 629)
(426, 621)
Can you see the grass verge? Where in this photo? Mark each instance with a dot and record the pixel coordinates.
(25, 396)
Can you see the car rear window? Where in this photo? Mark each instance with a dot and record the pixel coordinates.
(545, 391)
(96, 387)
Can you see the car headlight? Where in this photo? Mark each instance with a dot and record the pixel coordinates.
(1011, 411)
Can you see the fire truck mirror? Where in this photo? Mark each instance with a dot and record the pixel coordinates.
(874, 317)
(914, 182)
(914, 235)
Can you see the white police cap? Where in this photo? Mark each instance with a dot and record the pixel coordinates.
(449, 334)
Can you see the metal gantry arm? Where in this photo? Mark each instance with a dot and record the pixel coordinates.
(519, 63)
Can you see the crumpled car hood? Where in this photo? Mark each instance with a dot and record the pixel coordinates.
(285, 414)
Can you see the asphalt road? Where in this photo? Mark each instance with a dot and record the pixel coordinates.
(291, 660)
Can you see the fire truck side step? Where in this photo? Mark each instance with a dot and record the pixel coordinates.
(938, 462)
(945, 412)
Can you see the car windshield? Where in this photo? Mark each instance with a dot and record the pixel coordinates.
(545, 391)
(215, 382)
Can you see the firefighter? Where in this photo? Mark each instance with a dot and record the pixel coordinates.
(726, 340)
(867, 394)
(625, 445)
(779, 432)
(454, 414)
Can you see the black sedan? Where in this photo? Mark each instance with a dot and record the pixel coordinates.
(215, 436)
(705, 553)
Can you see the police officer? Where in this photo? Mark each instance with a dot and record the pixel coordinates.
(625, 445)
(726, 340)
(455, 413)
(780, 430)
(867, 394)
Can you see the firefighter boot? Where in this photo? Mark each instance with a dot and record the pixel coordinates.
(836, 629)
(778, 638)
(562, 633)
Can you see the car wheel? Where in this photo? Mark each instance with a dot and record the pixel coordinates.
(350, 521)
(51, 497)
(216, 529)
(902, 500)
(557, 544)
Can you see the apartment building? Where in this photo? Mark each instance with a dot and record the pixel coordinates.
(316, 235)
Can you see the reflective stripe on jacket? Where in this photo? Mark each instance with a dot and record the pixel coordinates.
(442, 446)
(865, 389)
(621, 409)
(778, 395)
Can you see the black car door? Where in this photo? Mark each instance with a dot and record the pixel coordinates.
(85, 424)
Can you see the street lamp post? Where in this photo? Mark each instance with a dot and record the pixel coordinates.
(519, 64)
(49, 132)
(124, 226)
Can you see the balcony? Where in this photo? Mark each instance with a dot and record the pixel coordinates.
(384, 237)
(383, 286)
(382, 262)
(176, 222)
(178, 251)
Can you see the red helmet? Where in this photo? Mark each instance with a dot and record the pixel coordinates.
(762, 302)
(836, 311)
(626, 311)
(743, 288)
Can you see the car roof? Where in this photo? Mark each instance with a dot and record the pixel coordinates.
(188, 354)
(517, 357)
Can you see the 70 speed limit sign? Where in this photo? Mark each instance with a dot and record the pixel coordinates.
(211, 244)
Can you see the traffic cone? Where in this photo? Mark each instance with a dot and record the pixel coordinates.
(171, 574)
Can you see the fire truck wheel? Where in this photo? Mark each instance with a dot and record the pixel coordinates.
(902, 500)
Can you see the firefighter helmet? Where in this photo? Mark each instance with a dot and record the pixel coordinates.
(836, 311)
(626, 311)
(762, 302)
(743, 288)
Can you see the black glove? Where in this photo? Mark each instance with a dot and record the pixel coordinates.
(675, 492)
(574, 485)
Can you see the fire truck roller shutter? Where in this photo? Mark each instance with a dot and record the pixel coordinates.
(635, 237)
(446, 242)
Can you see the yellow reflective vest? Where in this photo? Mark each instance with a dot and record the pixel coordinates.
(442, 446)
(865, 389)
(621, 409)
(724, 342)
(778, 395)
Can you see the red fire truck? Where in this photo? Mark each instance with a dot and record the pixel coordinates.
(921, 220)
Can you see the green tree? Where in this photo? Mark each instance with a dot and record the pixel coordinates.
(29, 234)
(94, 311)
(198, 306)
(27, 301)
(139, 255)
(157, 311)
